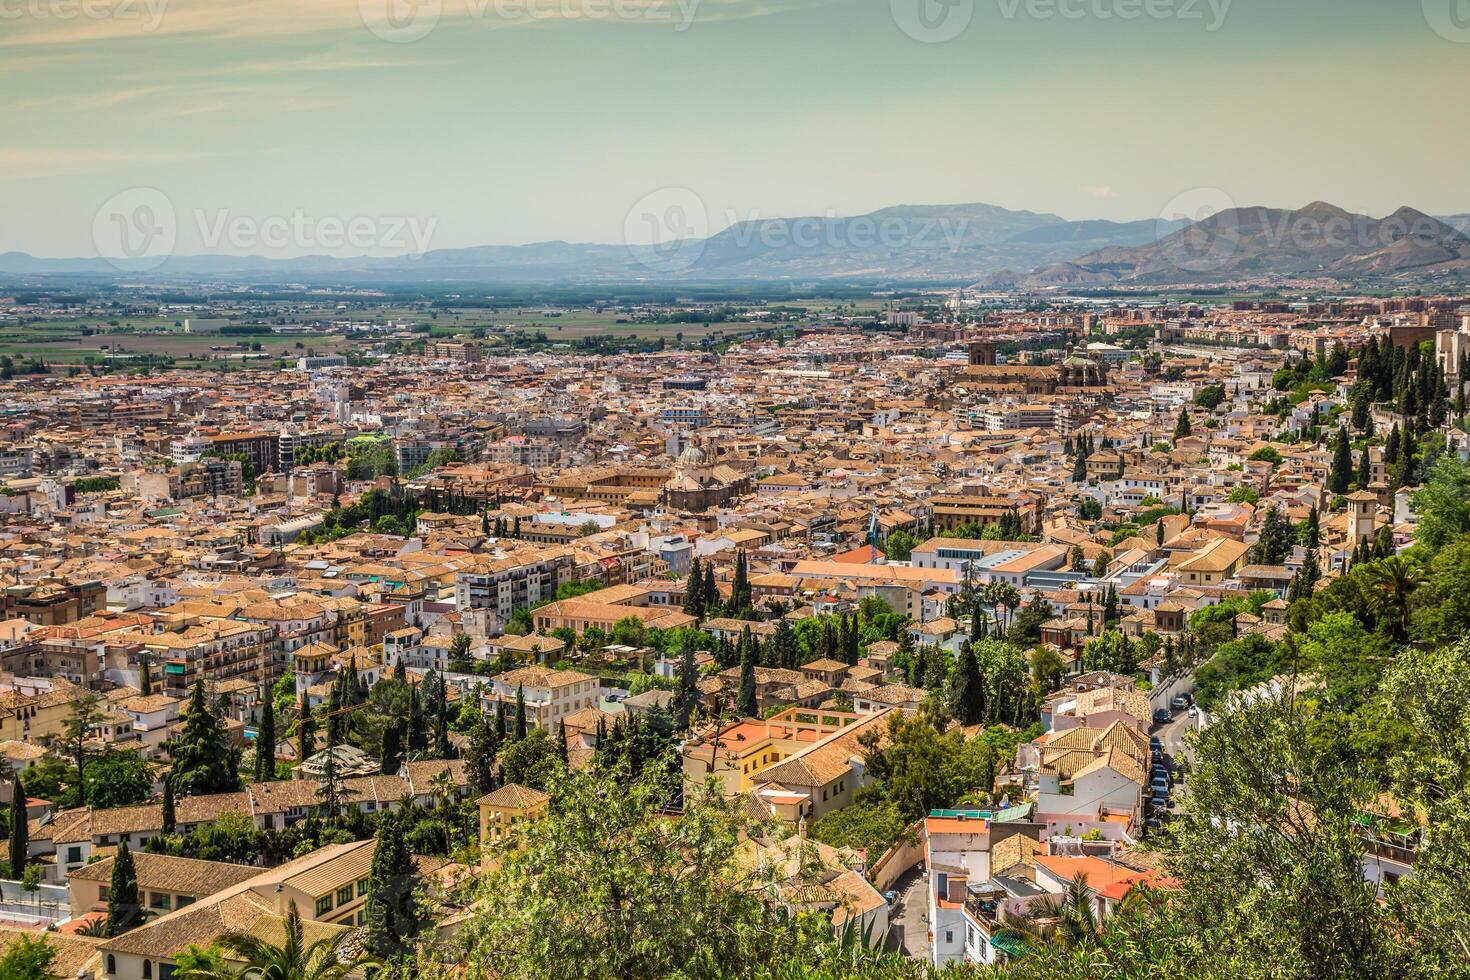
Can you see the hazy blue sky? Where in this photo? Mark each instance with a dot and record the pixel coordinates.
(497, 126)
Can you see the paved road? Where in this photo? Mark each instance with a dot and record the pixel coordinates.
(908, 919)
(1171, 734)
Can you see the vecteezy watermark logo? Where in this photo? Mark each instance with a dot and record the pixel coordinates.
(932, 21)
(400, 21)
(148, 13)
(1450, 19)
(1210, 239)
(136, 229)
(301, 231)
(665, 230)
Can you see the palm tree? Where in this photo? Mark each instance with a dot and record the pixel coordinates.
(443, 789)
(1391, 582)
(1072, 911)
(324, 959)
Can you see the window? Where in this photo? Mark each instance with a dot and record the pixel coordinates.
(349, 921)
(158, 900)
(324, 905)
(111, 963)
(102, 893)
(344, 894)
(147, 970)
(948, 936)
(362, 887)
(73, 855)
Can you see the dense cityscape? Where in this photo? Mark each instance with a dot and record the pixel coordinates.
(933, 633)
(734, 490)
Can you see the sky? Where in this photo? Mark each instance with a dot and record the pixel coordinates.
(290, 127)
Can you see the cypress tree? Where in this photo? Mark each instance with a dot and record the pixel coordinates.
(694, 591)
(123, 910)
(334, 714)
(305, 733)
(1342, 464)
(418, 736)
(561, 740)
(479, 758)
(201, 758)
(442, 748)
(391, 905)
(711, 591)
(145, 677)
(500, 724)
(740, 600)
(265, 743)
(20, 830)
(520, 732)
(392, 755)
(748, 705)
(400, 671)
(1181, 427)
(966, 702)
(687, 697)
(169, 820)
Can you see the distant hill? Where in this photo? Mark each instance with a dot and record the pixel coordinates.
(956, 242)
(1246, 243)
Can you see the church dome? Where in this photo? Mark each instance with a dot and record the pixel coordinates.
(692, 457)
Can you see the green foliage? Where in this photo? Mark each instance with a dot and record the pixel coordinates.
(96, 484)
(900, 546)
(1267, 454)
(635, 896)
(118, 778)
(124, 910)
(1443, 503)
(324, 959)
(28, 958)
(871, 825)
(203, 763)
(531, 761)
(392, 914)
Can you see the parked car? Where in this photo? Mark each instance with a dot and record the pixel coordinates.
(1179, 703)
(1161, 716)
(1155, 744)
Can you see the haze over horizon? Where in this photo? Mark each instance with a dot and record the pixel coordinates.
(498, 126)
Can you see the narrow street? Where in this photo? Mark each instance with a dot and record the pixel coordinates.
(908, 918)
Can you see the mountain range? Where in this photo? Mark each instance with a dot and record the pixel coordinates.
(979, 243)
(1240, 244)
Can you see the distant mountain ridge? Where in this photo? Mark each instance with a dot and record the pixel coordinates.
(1319, 240)
(906, 242)
(980, 243)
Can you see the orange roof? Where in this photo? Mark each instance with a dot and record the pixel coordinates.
(954, 825)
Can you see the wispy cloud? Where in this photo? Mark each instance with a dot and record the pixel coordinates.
(126, 20)
(28, 162)
(1101, 192)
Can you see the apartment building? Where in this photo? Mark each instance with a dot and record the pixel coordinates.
(550, 695)
(506, 581)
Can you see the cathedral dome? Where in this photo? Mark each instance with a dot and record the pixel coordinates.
(692, 457)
